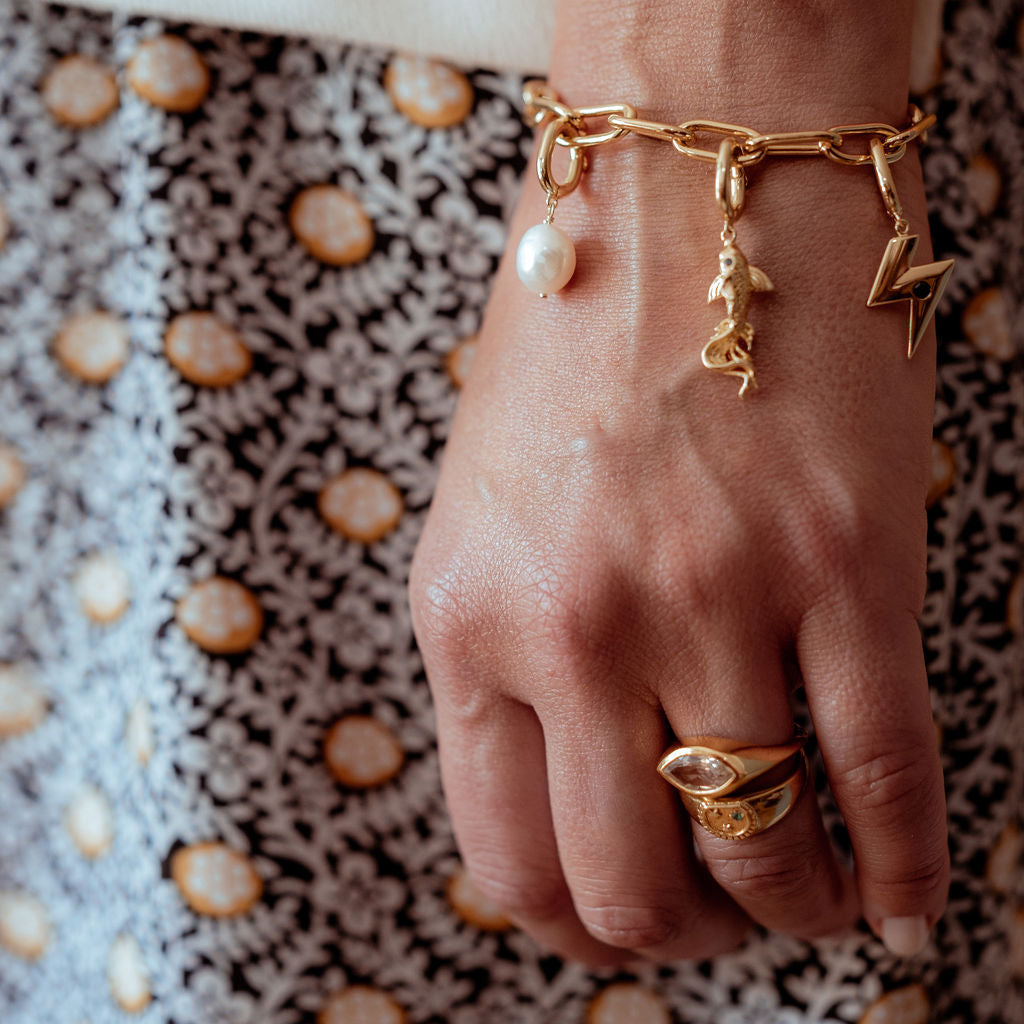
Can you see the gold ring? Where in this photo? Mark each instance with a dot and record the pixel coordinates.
(711, 774)
(704, 766)
(745, 814)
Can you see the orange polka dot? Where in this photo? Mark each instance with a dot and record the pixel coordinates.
(943, 472)
(1005, 860)
(89, 820)
(473, 906)
(906, 1005)
(986, 323)
(80, 91)
(12, 474)
(24, 924)
(459, 361)
(221, 616)
(362, 752)
(361, 1004)
(92, 346)
(984, 183)
(23, 704)
(361, 504)
(628, 1003)
(128, 975)
(332, 224)
(205, 351)
(169, 72)
(216, 880)
(103, 588)
(429, 92)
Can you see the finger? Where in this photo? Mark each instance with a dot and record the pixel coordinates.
(868, 694)
(787, 877)
(492, 766)
(623, 838)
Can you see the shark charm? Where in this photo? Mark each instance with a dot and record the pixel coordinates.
(728, 351)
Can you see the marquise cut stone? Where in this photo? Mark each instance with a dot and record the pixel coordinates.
(700, 773)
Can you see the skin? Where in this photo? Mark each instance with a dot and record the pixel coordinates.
(620, 552)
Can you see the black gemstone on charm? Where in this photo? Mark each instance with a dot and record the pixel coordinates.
(921, 290)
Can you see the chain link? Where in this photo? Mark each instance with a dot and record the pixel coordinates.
(793, 143)
(653, 129)
(837, 143)
(598, 138)
(558, 128)
(720, 128)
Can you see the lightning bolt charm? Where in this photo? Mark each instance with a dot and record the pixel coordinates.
(922, 287)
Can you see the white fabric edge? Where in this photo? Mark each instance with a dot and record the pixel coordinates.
(485, 33)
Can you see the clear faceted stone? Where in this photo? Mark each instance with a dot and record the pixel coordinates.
(700, 773)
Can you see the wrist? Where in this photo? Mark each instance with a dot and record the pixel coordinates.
(780, 63)
(645, 222)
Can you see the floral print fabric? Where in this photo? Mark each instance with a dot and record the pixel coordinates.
(176, 840)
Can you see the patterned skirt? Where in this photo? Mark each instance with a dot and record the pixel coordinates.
(240, 278)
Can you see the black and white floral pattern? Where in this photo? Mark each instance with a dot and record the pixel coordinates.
(150, 215)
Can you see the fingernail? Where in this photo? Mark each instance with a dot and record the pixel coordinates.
(904, 936)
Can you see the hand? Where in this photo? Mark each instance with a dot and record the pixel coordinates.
(619, 550)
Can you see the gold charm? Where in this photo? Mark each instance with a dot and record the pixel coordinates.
(546, 257)
(922, 287)
(897, 280)
(728, 351)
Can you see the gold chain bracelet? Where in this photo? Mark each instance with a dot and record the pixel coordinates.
(546, 257)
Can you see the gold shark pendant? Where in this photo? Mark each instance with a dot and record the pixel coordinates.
(728, 351)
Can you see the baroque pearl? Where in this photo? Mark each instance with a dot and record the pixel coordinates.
(545, 259)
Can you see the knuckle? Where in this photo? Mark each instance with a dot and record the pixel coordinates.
(629, 926)
(523, 893)
(885, 792)
(548, 601)
(781, 877)
(570, 607)
(447, 605)
(888, 782)
(843, 536)
(698, 589)
(914, 883)
(707, 576)
(832, 538)
(464, 595)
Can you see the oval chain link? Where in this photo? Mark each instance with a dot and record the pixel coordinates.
(540, 101)
(545, 172)
(792, 143)
(730, 131)
(730, 182)
(653, 129)
(879, 131)
(598, 138)
(918, 129)
(541, 104)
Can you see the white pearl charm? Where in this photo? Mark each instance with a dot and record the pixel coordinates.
(545, 259)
